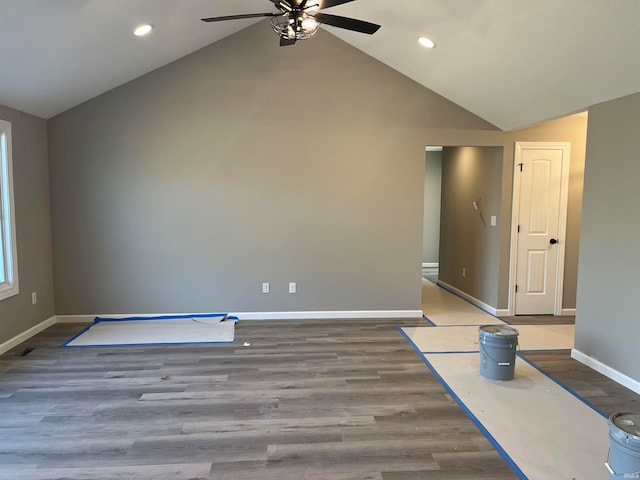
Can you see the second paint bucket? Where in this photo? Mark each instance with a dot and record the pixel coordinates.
(624, 440)
(497, 351)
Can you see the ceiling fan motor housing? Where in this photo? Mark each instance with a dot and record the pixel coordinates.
(295, 25)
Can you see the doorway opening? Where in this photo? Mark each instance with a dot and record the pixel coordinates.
(431, 213)
(462, 228)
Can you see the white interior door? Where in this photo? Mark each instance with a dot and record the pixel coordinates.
(541, 216)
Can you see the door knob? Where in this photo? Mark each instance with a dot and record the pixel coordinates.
(553, 241)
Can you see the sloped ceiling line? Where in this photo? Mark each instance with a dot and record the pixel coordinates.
(512, 63)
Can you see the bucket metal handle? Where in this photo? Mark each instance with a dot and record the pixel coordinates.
(619, 475)
(493, 359)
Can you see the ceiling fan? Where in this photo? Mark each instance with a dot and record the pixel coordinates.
(300, 19)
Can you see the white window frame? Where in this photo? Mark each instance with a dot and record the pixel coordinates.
(9, 252)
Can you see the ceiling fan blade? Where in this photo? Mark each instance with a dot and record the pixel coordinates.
(238, 17)
(331, 3)
(287, 41)
(283, 4)
(347, 23)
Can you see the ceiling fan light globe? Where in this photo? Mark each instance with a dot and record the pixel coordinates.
(309, 23)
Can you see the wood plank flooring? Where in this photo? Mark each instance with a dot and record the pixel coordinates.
(330, 400)
(605, 394)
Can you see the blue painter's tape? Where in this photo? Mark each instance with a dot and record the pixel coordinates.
(452, 351)
(65, 344)
(429, 321)
(163, 317)
(142, 344)
(450, 326)
(545, 350)
(562, 385)
(468, 412)
(97, 320)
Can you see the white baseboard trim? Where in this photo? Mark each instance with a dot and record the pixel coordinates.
(430, 265)
(502, 312)
(26, 335)
(327, 315)
(478, 303)
(606, 370)
(568, 311)
(302, 315)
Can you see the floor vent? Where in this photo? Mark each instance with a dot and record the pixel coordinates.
(27, 351)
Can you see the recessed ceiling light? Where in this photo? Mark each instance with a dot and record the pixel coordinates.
(142, 30)
(426, 42)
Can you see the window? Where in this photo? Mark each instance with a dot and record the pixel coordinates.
(8, 256)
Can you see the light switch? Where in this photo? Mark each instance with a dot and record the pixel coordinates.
(494, 221)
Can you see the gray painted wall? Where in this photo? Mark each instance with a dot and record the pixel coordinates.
(33, 226)
(245, 163)
(467, 239)
(431, 216)
(607, 326)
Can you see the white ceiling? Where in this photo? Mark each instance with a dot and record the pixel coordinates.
(512, 62)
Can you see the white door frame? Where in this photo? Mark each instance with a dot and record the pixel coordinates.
(562, 220)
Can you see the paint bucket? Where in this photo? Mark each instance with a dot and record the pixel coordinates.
(624, 450)
(497, 351)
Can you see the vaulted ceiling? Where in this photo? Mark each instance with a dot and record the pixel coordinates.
(512, 62)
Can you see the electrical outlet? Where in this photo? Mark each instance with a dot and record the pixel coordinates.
(265, 287)
(292, 287)
(464, 272)
(34, 298)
